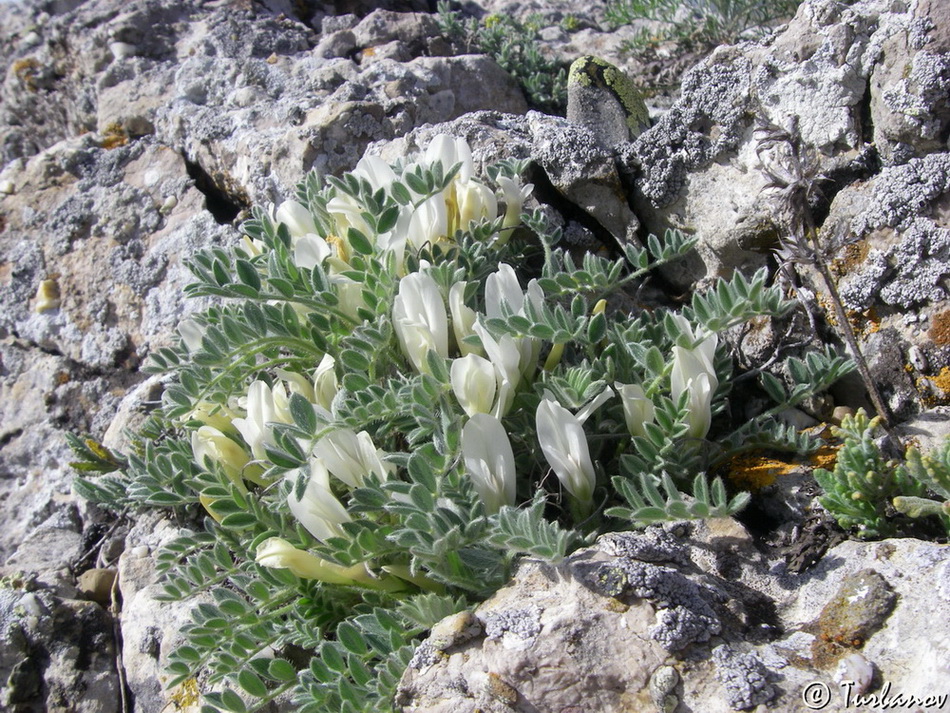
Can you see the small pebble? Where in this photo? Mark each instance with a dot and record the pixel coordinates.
(169, 205)
(7, 187)
(839, 413)
(47, 296)
(917, 358)
(96, 584)
(121, 50)
(857, 668)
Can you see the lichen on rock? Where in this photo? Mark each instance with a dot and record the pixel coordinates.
(744, 677)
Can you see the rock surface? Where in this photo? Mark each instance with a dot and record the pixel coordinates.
(134, 133)
(738, 629)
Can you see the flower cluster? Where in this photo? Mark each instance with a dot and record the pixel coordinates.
(388, 406)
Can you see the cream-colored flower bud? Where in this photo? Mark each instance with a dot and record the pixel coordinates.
(514, 196)
(277, 553)
(351, 456)
(565, 448)
(489, 461)
(420, 320)
(463, 319)
(638, 410)
(297, 218)
(318, 509)
(209, 443)
(474, 383)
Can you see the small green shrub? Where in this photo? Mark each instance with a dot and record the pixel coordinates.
(698, 25)
(869, 493)
(933, 472)
(514, 45)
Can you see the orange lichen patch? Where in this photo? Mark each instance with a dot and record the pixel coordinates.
(25, 70)
(854, 255)
(940, 328)
(864, 323)
(824, 457)
(934, 390)
(859, 608)
(942, 380)
(114, 136)
(754, 471)
(368, 52)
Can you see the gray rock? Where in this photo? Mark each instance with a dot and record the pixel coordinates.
(757, 658)
(150, 627)
(55, 654)
(744, 678)
(699, 168)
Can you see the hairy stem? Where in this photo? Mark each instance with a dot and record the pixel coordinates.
(887, 418)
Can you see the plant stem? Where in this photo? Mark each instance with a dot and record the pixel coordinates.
(887, 418)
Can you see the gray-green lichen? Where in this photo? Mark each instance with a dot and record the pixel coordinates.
(685, 615)
(743, 676)
(913, 269)
(706, 122)
(525, 623)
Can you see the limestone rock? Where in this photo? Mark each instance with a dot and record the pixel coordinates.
(700, 165)
(56, 654)
(150, 628)
(551, 641)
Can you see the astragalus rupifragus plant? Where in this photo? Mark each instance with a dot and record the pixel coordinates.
(388, 405)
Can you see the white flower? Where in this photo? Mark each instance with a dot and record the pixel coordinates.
(209, 443)
(429, 222)
(506, 358)
(515, 195)
(253, 247)
(638, 410)
(475, 202)
(318, 510)
(420, 320)
(693, 372)
(325, 385)
(449, 151)
(565, 448)
(349, 294)
(595, 403)
(502, 286)
(463, 318)
(311, 250)
(375, 170)
(705, 350)
(297, 218)
(351, 456)
(699, 404)
(395, 240)
(263, 406)
(489, 461)
(214, 415)
(191, 334)
(474, 383)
